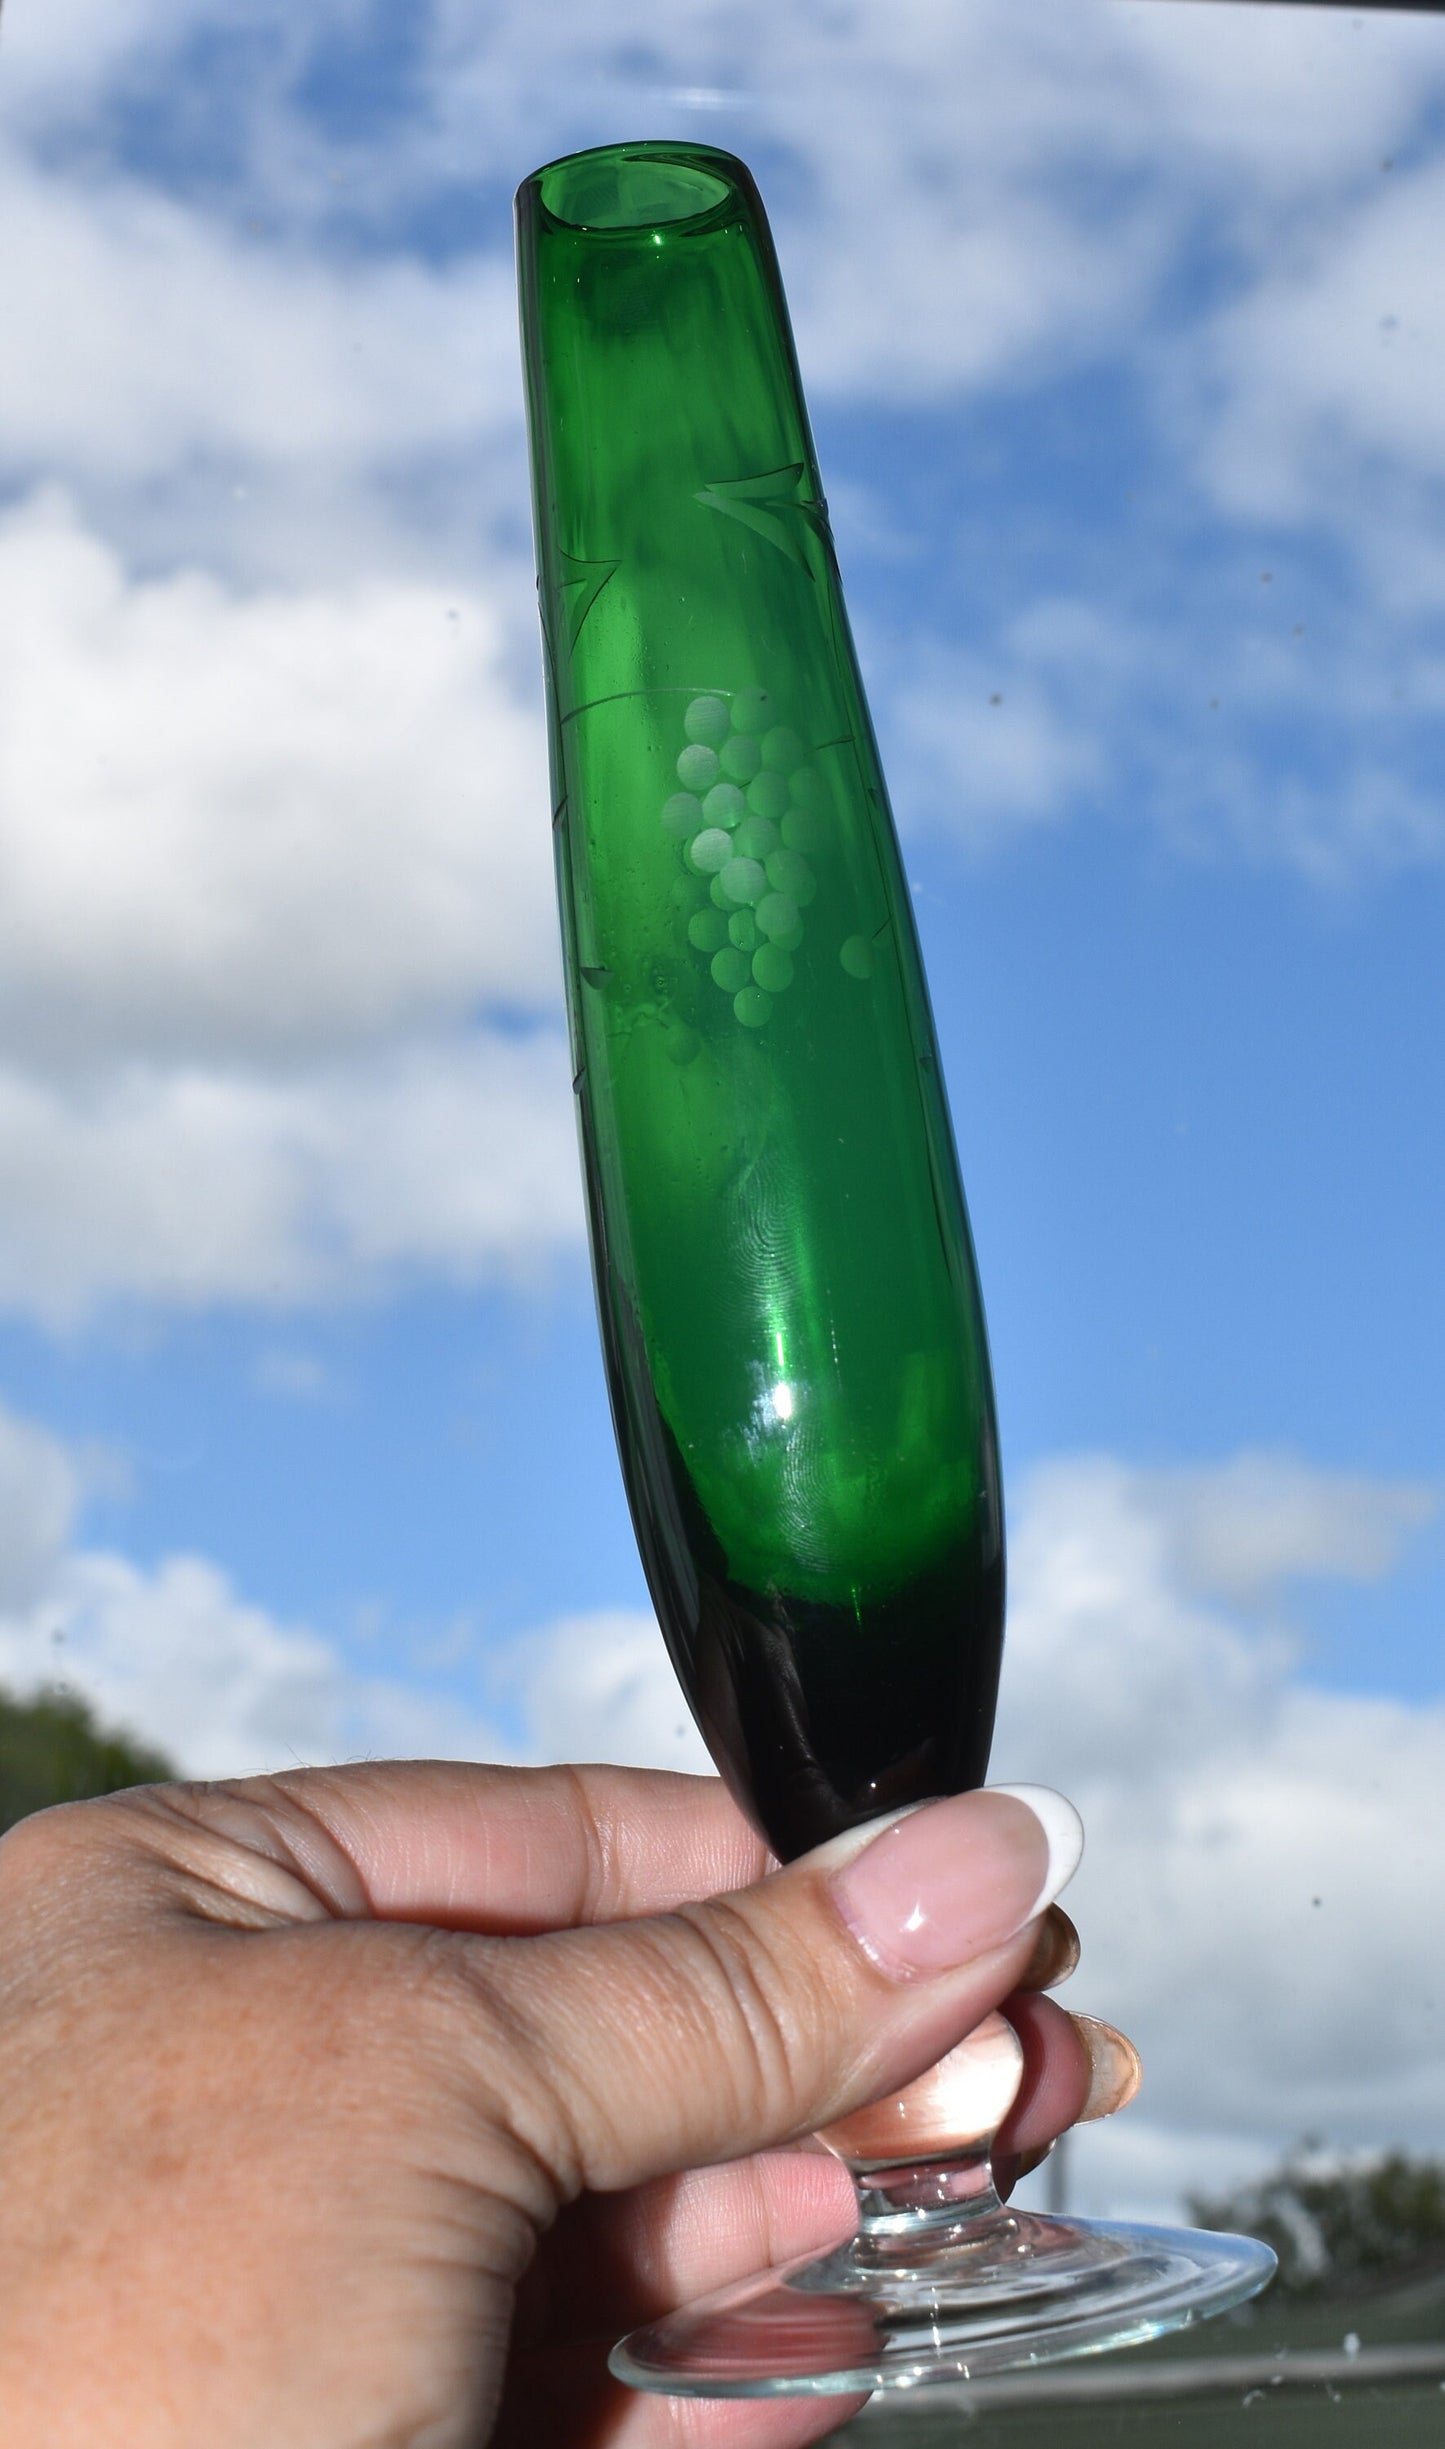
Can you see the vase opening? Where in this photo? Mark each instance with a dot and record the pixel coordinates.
(620, 189)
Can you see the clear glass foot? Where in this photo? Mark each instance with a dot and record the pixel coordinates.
(942, 2282)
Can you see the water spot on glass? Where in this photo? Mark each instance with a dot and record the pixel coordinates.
(752, 711)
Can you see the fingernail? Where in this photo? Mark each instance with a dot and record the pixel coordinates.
(952, 1881)
(1056, 1953)
(963, 2098)
(1115, 2068)
(1010, 2168)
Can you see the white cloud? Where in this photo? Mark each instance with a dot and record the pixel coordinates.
(263, 821)
(1369, 821)
(961, 296)
(1328, 371)
(1224, 1797)
(1239, 1529)
(599, 1687)
(1291, 102)
(267, 855)
(186, 1186)
(292, 1375)
(1209, 735)
(983, 742)
(58, 54)
(141, 335)
(176, 1656)
(39, 1494)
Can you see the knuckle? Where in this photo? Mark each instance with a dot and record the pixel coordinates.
(30, 1849)
(762, 2002)
(43, 1845)
(61, 1902)
(597, 1848)
(520, 2103)
(248, 1855)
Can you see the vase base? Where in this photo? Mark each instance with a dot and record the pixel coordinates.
(1021, 2290)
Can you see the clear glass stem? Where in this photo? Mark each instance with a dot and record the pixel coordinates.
(909, 2216)
(928, 2196)
(921, 2160)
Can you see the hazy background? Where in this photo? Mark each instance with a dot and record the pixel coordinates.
(1124, 333)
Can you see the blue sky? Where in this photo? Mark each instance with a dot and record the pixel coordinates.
(1122, 331)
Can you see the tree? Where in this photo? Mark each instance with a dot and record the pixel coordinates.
(1339, 2226)
(53, 1751)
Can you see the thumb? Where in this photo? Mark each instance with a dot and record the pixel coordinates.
(723, 2028)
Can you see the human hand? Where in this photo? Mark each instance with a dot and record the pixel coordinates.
(310, 2085)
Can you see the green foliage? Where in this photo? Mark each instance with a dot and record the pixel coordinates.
(53, 1751)
(1339, 2227)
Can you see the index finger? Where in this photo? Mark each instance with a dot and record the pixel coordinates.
(509, 1851)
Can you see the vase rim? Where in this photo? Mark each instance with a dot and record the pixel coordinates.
(625, 188)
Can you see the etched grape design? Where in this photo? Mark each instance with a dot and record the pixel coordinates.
(749, 819)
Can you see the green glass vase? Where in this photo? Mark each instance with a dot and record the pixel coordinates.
(789, 1305)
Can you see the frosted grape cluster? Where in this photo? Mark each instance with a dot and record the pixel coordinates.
(747, 816)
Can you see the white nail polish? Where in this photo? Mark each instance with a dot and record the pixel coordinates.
(835, 1852)
(1064, 1830)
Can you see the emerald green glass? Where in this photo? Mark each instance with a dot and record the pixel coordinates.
(789, 1305)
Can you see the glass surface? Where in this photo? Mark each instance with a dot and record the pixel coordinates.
(789, 1306)
(794, 1337)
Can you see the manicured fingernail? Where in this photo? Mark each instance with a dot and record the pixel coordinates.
(950, 1882)
(1056, 1952)
(1115, 2068)
(963, 2098)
